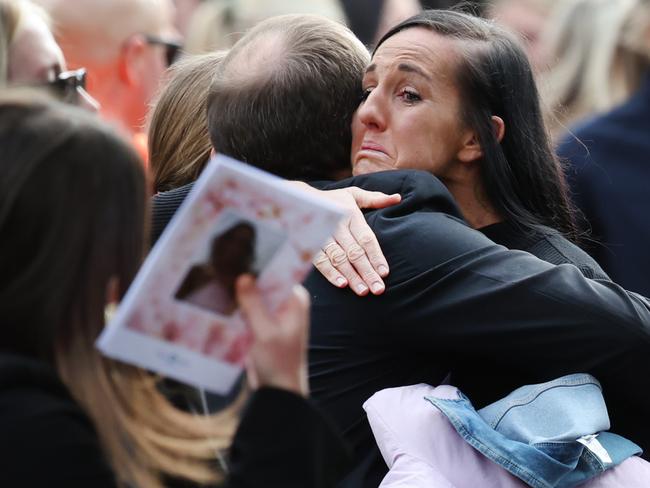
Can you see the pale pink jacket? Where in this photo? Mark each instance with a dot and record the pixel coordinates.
(422, 449)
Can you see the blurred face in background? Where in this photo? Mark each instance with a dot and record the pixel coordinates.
(527, 19)
(36, 59)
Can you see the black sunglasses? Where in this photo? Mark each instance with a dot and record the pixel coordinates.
(66, 84)
(171, 48)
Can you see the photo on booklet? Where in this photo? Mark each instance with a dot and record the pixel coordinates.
(237, 246)
(180, 317)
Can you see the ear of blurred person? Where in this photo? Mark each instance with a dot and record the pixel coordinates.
(124, 45)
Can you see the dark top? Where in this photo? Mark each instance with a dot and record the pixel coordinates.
(609, 175)
(455, 301)
(47, 440)
(547, 244)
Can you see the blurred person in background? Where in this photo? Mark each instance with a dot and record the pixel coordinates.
(184, 9)
(72, 237)
(593, 66)
(218, 24)
(179, 144)
(126, 46)
(527, 19)
(609, 172)
(29, 55)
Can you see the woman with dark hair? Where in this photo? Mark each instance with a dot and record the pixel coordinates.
(454, 95)
(72, 236)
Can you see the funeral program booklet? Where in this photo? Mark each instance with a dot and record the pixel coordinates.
(180, 317)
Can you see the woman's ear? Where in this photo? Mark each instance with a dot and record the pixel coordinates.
(471, 148)
(499, 127)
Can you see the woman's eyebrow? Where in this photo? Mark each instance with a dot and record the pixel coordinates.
(371, 68)
(410, 68)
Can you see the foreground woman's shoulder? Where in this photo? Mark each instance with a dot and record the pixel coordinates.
(47, 439)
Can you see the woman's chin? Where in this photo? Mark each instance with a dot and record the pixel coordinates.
(366, 166)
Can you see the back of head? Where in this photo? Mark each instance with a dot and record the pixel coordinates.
(520, 174)
(124, 46)
(284, 97)
(92, 32)
(179, 144)
(71, 217)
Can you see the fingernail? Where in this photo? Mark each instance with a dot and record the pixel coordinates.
(341, 281)
(377, 287)
(362, 288)
(383, 270)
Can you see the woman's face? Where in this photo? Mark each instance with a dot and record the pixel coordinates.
(34, 56)
(36, 59)
(410, 118)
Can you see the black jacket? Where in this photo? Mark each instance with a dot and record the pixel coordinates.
(47, 440)
(456, 302)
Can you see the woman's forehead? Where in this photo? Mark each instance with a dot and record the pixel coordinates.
(416, 46)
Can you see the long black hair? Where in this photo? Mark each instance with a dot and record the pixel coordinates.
(521, 175)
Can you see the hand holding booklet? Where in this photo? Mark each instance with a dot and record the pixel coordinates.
(180, 317)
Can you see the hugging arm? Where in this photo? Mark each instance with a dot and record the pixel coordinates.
(491, 311)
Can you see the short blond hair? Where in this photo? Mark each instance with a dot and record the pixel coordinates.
(179, 144)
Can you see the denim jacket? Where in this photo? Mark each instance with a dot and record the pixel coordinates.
(423, 449)
(549, 435)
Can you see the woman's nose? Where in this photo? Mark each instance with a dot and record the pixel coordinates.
(371, 111)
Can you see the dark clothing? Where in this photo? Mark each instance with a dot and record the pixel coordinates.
(163, 208)
(609, 174)
(546, 244)
(47, 440)
(456, 301)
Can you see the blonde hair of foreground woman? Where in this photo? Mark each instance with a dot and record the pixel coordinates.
(599, 51)
(52, 306)
(179, 143)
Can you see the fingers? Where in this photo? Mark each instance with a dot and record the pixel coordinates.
(373, 199)
(278, 357)
(357, 266)
(322, 263)
(251, 304)
(339, 260)
(362, 234)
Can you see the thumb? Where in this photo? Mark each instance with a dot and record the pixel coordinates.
(251, 303)
(374, 199)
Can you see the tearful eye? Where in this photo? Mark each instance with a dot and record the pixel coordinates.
(410, 96)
